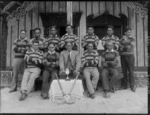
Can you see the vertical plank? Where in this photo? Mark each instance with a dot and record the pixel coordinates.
(133, 26)
(21, 23)
(110, 7)
(75, 6)
(102, 7)
(96, 8)
(116, 9)
(35, 17)
(62, 6)
(49, 6)
(140, 41)
(69, 13)
(55, 6)
(82, 24)
(28, 24)
(124, 8)
(88, 8)
(8, 45)
(146, 39)
(41, 7)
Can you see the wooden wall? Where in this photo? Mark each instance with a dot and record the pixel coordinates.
(32, 20)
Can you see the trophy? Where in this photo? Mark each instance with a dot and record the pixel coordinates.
(67, 73)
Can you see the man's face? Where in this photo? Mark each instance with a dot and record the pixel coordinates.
(22, 34)
(53, 31)
(69, 29)
(69, 46)
(51, 47)
(35, 46)
(128, 33)
(109, 46)
(90, 30)
(37, 33)
(110, 31)
(90, 47)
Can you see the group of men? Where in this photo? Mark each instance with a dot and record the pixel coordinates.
(52, 56)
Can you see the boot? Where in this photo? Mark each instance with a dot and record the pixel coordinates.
(23, 96)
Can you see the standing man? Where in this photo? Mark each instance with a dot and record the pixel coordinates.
(20, 48)
(127, 44)
(109, 72)
(37, 37)
(51, 66)
(53, 38)
(34, 58)
(90, 62)
(69, 59)
(90, 37)
(110, 37)
(69, 37)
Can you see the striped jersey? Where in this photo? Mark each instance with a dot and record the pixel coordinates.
(20, 47)
(113, 39)
(68, 38)
(33, 54)
(90, 38)
(90, 59)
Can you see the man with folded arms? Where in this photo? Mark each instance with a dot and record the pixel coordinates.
(34, 58)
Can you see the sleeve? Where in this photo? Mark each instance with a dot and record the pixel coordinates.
(117, 42)
(133, 42)
(57, 60)
(15, 45)
(61, 61)
(96, 60)
(40, 59)
(103, 41)
(27, 56)
(83, 42)
(62, 42)
(103, 62)
(78, 62)
(96, 40)
(116, 61)
(83, 60)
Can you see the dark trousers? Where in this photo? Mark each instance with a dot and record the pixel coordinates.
(109, 78)
(48, 77)
(127, 63)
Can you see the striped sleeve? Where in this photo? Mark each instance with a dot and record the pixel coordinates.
(27, 55)
(40, 58)
(116, 42)
(96, 40)
(83, 42)
(96, 57)
(103, 41)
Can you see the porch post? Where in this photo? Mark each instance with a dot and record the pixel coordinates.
(1, 19)
(69, 13)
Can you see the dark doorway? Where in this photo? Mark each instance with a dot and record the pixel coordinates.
(61, 31)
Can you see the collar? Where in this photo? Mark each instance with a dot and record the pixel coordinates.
(91, 34)
(110, 51)
(68, 34)
(51, 52)
(111, 36)
(34, 50)
(23, 39)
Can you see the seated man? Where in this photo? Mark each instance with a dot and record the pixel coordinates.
(69, 59)
(34, 58)
(109, 63)
(90, 61)
(50, 61)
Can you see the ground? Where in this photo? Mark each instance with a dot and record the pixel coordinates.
(122, 101)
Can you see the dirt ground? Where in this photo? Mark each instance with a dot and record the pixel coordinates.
(122, 101)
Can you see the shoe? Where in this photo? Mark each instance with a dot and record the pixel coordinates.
(23, 96)
(106, 94)
(12, 90)
(133, 89)
(112, 90)
(92, 96)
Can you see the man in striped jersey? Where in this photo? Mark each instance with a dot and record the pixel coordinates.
(20, 47)
(90, 62)
(90, 37)
(34, 58)
(53, 38)
(69, 37)
(109, 72)
(37, 36)
(110, 37)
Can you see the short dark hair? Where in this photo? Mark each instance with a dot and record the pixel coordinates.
(68, 25)
(37, 29)
(110, 26)
(50, 44)
(127, 29)
(53, 27)
(22, 31)
(90, 26)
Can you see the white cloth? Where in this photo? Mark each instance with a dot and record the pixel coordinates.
(66, 85)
